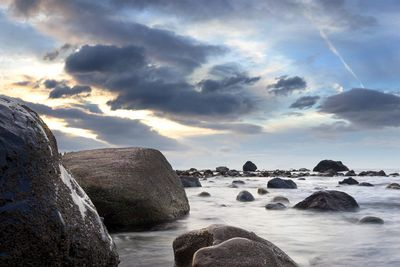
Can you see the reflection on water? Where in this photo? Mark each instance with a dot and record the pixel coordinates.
(310, 238)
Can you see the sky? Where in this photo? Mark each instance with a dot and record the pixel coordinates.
(283, 83)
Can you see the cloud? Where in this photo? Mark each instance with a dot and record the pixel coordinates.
(140, 84)
(287, 85)
(305, 102)
(65, 91)
(53, 55)
(364, 108)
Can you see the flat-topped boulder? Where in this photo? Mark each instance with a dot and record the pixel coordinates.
(281, 183)
(46, 219)
(330, 166)
(223, 245)
(328, 200)
(130, 187)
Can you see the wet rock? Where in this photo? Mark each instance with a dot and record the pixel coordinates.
(238, 182)
(280, 199)
(304, 170)
(395, 174)
(262, 191)
(188, 181)
(223, 246)
(193, 170)
(204, 194)
(326, 165)
(329, 200)
(222, 169)
(46, 219)
(249, 167)
(365, 184)
(372, 173)
(371, 220)
(349, 181)
(208, 173)
(281, 183)
(393, 186)
(131, 188)
(245, 196)
(301, 179)
(233, 173)
(275, 206)
(350, 173)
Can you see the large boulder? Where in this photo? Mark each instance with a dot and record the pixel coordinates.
(222, 245)
(188, 181)
(249, 167)
(131, 187)
(281, 183)
(245, 196)
(329, 200)
(46, 219)
(222, 169)
(330, 165)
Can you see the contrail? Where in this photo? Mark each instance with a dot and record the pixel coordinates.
(334, 50)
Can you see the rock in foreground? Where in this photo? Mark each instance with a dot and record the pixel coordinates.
(46, 219)
(330, 165)
(281, 183)
(249, 167)
(329, 200)
(222, 245)
(130, 187)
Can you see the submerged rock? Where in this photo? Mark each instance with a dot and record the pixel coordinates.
(238, 182)
(204, 194)
(371, 220)
(245, 196)
(130, 187)
(372, 173)
(46, 219)
(262, 191)
(188, 181)
(281, 183)
(330, 165)
(350, 173)
(280, 199)
(275, 206)
(365, 184)
(329, 200)
(349, 181)
(393, 186)
(222, 245)
(249, 167)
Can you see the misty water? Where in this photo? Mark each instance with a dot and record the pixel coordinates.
(310, 238)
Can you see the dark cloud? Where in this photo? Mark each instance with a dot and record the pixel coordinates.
(143, 85)
(305, 102)
(365, 108)
(65, 91)
(286, 85)
(63, 50)
(50, 84)
(25, 7)
(93, 108)
(69, 142)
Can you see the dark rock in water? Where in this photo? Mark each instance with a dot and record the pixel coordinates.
(275, 206)
(223, 246)
(204, 194)
(326, 165)
(349, 181)
(329, 200)
(233, 173)
(372, 173)
(249, 167)
(238, 182)
(281, 183)
(304, 170)
(301, 179)
(395, 174)
(245, 196)
(262, 191)
(193, 170)
(280, 199)
(371, 220)
(233, 186)
(131, 188)
(46, 219)
(188, 181)
(393, 186)
(350, 173)
(222, 169)
(365, 184)
(208, 173)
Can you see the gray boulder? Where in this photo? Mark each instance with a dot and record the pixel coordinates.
(204, 194)
(130, 187)
(371, 220)
(227, 246)
(188, 181)
(281, 183)
(46, 219)
(249, 167)
(330, 165)
(349, 181)
(329, 200)
(393, 186)
(245, 196)
(262, 191)
(275, 206)
(365, 184)
(280, 199)
(222, 169)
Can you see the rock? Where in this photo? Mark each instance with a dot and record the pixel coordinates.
(301, 179)
(132, 188)
(280, 199)
(329, 200)
(365, 184)
(227, 246)
(262, 191)
(349, 181)
(208, 173)
(46, 219)
(326, 165)
(275, 206)
(193, 170)
(281, 183)
(304, 170)
(245, 196)
(188, 181)
(249, 167)
(350, 173)
(238, 182)
(372, 173)
(395, 174)
(222, 169)
(393, 186)
(233, 186)
(371, 220)
(204, 194)
(233, 173)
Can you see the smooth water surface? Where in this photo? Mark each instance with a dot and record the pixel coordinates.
(310, 238)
